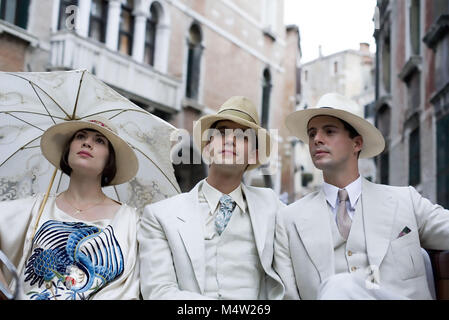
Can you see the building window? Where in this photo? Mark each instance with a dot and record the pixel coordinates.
(335, 67)
(384, 167)
(386, 64)
(414, 170)
(414, 24)
(440, 7)
(98, 20)
(270, 15)
(15, 12)
(383, 124)
(443, 161)
(64, 14)
(126, 30)
(306, 75)
(194, 62)
(266, 92)
(150, 35)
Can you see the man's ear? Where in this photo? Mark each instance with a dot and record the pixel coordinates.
(358, 143)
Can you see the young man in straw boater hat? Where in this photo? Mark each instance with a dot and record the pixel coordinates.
(216, 241)
(353, 239)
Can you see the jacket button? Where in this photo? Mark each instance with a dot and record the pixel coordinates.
(353, 269)
(349, 253)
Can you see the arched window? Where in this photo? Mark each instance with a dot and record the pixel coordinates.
(266, 92)
(194, 61)
(126, 30)
(150, 35)
(98, 20)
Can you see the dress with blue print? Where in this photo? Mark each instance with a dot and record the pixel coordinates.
(72, 260)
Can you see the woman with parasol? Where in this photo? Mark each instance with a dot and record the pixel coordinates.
(78, 244)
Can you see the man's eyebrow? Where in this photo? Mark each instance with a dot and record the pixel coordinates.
(327, 126)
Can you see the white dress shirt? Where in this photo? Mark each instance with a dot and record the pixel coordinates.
(354, 190)
(209, 198)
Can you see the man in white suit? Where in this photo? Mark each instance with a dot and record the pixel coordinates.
(353, 239)
(216, 241)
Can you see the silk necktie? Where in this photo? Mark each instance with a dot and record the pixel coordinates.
(343, 220)
(224, 213)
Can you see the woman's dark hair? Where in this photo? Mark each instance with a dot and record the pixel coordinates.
(109, 170)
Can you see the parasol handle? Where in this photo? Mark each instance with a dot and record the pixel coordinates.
(44, 201)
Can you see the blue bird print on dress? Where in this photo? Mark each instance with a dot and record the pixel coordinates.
(73, 257)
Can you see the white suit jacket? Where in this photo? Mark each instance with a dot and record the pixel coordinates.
(304, 253)
(172, 249)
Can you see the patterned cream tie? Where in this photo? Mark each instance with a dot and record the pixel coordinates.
(224, 213)
(343, 219)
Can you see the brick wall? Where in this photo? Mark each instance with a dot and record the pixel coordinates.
(12, 53)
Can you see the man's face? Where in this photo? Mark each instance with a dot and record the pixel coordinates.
(330, 146)
(231, 144)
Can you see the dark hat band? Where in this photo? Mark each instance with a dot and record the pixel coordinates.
(247, 118)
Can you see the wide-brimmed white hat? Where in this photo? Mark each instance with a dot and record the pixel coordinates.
(56, 137)
(238, 109)
(339, 106)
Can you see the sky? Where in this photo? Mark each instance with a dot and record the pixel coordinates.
(336, 25)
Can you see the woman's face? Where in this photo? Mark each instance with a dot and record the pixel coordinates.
(89, 152)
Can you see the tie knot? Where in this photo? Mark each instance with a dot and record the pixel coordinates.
(226, 201)
(342, 195)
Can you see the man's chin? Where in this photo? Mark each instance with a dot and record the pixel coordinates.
(321, 165)
(229, 165)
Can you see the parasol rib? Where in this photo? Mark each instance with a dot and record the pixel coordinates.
(32, 125)
(43, 104)
(116, 193)
(77, 96)
(23, 147)
(174, 186)
(37, 86)
(31, 112)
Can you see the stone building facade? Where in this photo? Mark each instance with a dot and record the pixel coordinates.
(412, 94)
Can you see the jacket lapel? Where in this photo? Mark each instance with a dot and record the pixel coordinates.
(313, 226)
(191, 231)
(379, 211)
(258, 221)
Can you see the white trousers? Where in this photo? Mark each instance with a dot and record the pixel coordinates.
(346, 286)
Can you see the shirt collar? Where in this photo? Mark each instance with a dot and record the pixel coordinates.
(354, 190)
(213, 196)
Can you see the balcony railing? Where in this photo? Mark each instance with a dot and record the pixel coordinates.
(71, 51)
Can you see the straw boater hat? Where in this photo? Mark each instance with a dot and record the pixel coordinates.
(238, 109)
(336, 105)
(55, 138)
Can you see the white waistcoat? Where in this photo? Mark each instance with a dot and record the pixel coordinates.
(233, 269)
(350, 256)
